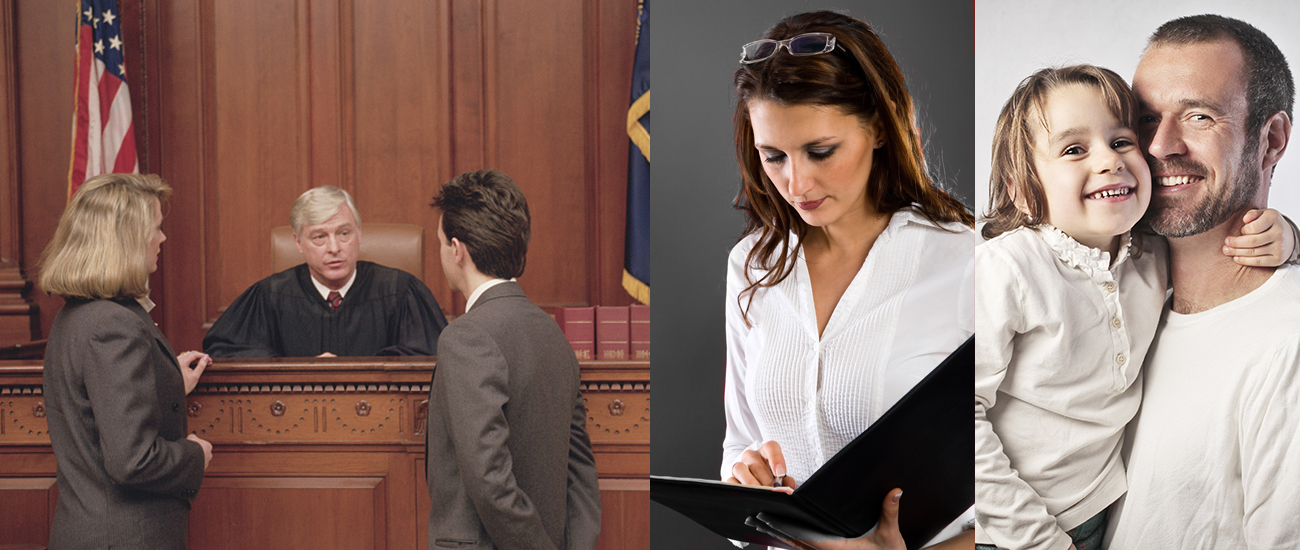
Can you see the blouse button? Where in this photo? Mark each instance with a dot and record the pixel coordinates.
(1110, 287)
(1119, 359)
(1116, 322)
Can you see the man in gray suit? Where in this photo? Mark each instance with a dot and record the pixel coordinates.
(508, 458)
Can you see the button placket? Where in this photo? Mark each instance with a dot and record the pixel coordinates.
(1111, 299)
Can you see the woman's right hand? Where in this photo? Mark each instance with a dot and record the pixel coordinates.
(207, 449)
(764, 467)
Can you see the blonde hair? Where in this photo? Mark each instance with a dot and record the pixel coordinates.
(101, 246)
(1014, 178)
(318, 204)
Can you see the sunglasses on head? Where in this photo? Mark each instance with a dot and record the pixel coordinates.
(812, 43)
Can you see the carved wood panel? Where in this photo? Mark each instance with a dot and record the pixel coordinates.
(618, 412)
(303, 416)
(22, 415)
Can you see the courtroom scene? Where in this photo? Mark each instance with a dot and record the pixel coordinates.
(324, 274)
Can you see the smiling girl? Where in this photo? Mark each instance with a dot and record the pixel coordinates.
(1068, 304)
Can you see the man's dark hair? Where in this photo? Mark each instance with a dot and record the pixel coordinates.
(1269, 87)
(487, 211)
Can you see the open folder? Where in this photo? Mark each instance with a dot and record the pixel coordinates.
(923, 445)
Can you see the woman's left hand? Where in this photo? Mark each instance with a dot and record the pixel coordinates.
(884, 537)
(190, 373)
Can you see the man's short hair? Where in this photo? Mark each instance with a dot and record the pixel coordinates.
(319, 204)
(1269, 87)
(487, 211)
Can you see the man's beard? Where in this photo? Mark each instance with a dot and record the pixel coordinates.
(1183, 220)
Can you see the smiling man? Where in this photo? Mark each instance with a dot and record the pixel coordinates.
(333, 304)
(1214, 453)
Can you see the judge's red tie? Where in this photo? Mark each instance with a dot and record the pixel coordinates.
(334, 299)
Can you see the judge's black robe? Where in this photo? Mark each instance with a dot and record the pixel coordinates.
(386, 312)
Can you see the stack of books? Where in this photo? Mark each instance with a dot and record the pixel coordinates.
(607, 333)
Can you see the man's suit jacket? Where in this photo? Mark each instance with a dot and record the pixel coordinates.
(115, 402)
(509, 462)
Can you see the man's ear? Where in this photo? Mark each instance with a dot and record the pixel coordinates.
(1277, 133)
(458, 251)
(298, 244)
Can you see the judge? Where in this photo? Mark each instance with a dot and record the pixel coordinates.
(332, 305)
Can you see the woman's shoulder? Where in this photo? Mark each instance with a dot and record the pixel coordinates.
(911, 219)
(96, 320)
(739, 254)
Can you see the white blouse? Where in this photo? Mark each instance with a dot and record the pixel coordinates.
(908, 307)
(1061, 338)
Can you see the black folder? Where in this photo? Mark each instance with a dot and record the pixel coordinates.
(923, 445)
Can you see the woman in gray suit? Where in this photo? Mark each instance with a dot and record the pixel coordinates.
(115, 390)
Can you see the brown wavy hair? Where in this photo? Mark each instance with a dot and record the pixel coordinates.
(860, 78)
(1013, 177)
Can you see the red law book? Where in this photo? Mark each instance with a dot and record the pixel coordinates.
(578, 324)
(612, 333)
(639, 328)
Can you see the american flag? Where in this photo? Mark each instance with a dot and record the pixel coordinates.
(103, 138)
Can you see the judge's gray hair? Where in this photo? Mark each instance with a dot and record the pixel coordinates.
(317, 205)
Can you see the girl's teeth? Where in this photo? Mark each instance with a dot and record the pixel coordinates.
(1110, 193)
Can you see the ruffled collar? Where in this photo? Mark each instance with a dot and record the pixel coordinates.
(1078, 255)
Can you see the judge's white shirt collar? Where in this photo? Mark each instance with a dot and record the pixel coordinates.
(325, 291)
(473, 296)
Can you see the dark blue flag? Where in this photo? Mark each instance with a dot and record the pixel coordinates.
(636, 255)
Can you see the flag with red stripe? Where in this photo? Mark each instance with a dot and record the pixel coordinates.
(103, 137)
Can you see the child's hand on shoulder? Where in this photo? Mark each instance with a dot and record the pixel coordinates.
(1267, 240)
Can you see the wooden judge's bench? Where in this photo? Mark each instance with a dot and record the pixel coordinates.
(323, 453)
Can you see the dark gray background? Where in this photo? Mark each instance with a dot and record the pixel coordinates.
(694, 178)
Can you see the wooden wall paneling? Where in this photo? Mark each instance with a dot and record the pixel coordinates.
(20, 320)
(614, 52)
(625, 509)
(328, 31)
(11, 207)
(179, 35)
(422, 500)
(256, 153)
(537, 135)
(27, 506)
(139, 54)
(402, 113)
(44, 83)
(592, 189)
(317, 512)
